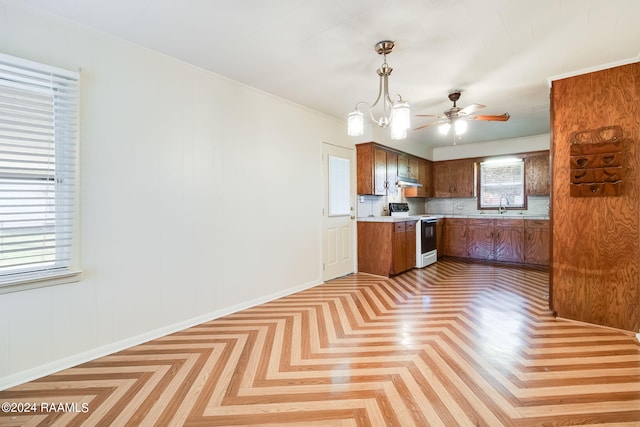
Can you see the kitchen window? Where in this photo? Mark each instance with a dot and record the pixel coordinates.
(38, 174)
(501, 184)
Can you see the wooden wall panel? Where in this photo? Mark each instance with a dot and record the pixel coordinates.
(595, 268)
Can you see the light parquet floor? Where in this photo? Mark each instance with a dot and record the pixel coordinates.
(456, 343)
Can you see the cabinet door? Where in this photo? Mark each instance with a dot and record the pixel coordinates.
(399, 248)
(380, 172)
(375, 247)
(441, 179)
(403, 166)
(537, 242)
(392, 173)
(480, 238)
(455, 237)
(410, 235)
(538, 175)
(462, 178)
(414, 168)
(508, 238)
(440, 237)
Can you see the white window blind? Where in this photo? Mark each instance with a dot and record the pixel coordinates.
(38, 157)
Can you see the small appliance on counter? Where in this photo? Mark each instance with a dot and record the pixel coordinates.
(399, 209)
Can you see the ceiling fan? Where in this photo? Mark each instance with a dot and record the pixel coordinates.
(457, 117)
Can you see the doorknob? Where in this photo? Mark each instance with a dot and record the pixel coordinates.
(353, 217)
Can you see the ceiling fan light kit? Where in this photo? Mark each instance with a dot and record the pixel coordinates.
(396, 114)
(457, 117)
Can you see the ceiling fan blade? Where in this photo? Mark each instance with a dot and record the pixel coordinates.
(428, 125)
(497, 118)
(470, 109)
(427, 115)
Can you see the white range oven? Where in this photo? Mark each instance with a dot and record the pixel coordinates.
(426, 253)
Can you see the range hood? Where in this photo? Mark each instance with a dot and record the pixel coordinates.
(407, 182)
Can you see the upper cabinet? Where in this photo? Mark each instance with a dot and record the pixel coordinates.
(408, 167)
(380, 168)
(538, 174)
(454, 178)
(425, 179)
(377, 169)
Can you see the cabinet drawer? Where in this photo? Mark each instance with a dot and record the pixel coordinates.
(509, 223)
(399, 227)
(480, 223)
(410, 226)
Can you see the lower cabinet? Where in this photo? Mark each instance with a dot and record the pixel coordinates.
(386, 248)
(455, 237)
(509, 240)
(440, 237)
(508, 237)
(537, 242)
(480, 239)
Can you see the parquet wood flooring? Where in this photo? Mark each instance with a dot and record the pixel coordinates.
(456, 343)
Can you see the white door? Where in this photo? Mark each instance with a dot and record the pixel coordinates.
(338, 236)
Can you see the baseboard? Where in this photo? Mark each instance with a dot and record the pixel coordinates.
(86, 356)
(611, 328)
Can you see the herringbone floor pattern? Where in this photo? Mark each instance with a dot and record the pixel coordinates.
(453, 344)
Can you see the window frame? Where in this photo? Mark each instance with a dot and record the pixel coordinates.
(21, 178)
(501, 160)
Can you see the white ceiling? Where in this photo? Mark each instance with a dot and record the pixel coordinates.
(319, 53)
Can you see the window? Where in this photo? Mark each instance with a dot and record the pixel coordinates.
(38, 157)
(339, 188)
(502, 184)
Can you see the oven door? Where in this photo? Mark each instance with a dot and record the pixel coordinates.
(428, 235)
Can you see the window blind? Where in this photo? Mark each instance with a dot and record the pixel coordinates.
(38, 157)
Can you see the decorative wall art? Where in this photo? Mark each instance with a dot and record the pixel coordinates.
(596, 158)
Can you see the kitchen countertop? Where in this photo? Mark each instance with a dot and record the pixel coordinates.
(416, 217)
(495, 216)
(388, 218)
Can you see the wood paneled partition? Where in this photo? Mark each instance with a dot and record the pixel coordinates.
(595, 268)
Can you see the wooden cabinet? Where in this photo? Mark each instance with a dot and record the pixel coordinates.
(455, 237)
(537, 242)
(408, 167)
(505, 239)
(386, 248)
(377, 170)
(440, 237)
(425, 179)
(480, 238)
(508, 240)
(537, 174)
(404, 246)
(454, 178)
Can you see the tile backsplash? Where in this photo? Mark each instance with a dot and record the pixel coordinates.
(536, 205)
(379, 205)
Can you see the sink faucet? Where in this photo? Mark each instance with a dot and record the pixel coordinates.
(502, 208)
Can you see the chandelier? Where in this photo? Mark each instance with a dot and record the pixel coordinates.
(395, 113)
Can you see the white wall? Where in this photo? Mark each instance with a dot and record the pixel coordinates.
(199, 196)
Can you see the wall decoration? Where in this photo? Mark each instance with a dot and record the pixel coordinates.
(596, 162)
